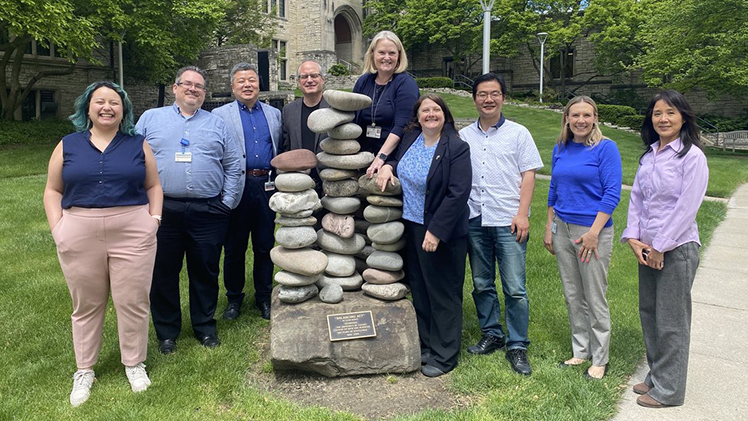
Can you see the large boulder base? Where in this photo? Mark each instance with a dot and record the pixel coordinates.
(299, 338)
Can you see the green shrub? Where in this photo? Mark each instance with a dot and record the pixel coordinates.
(724, 124)
(339, 69)
(29, 132)
(434, 82)
(612, 113)
(631, 121)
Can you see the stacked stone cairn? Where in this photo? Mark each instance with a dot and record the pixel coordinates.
(295, 201)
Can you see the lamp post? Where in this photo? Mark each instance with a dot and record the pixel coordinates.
(486, 33)
(542, 36)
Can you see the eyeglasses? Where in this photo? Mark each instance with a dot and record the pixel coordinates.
(190, 85)
(483, 95)
(305, 76)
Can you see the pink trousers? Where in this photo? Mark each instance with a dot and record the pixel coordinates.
(103, 250)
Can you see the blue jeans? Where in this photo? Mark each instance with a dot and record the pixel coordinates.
(486, 245)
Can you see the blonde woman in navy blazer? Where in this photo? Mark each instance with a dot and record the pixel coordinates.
(433, 166)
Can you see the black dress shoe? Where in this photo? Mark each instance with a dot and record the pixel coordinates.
(264, 308)
(167, 346)
(210, 341)
(425, 358)
(518, 359)
(488, 344)
(431, 371)
(233, 309)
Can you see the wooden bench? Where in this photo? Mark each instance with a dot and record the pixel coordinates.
(738, 138)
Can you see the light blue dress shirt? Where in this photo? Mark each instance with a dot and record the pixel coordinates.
(413, 170)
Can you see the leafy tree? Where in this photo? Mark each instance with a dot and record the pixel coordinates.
(246, 22)
(384, 15)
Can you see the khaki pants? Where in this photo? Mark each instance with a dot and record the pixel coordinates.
(103, 250)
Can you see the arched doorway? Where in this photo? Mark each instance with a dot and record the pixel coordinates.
(343, 38)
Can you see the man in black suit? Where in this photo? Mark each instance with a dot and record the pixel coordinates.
(296, 133)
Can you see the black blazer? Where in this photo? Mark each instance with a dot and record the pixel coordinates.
(292, 127)
(447, 184)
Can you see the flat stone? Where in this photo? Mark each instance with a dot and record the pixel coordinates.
(305, 262)
(345, 131)
(339, 147)
(295, 222)
(331, 294)
(348, 283)
(386, 233)
(340, 264)
(385, 260)
(378, 200)
(294, 160)
(382, 277)
(291, 203)
(366, 252)
(293, 182)
(345, 162)
(362, 225)
(380, 214)
(343, 188)
(333, 174)
(299, 338)
(295, 295)
(370, 185)
(389, 292)
(341, 205)
(396, 246)
(340, 225)
(346, 101)
(295, 237)
(335, 244)
(298, 215)
(324, 119)
(307, 171)
(291, 279)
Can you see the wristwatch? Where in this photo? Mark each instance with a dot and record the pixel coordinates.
(382, 156)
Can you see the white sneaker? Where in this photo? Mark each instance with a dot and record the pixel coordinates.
(82, 381)
(139, 380)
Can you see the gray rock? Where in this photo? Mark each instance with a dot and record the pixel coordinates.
(291, 279)
(341, 205)
(324, 119)
(389, 292)
(370, 185)
(343, 188)
(295, 237)
(396, 246)
(340, 264)
(345, 131)
(335, 244)
(380, 214)
(346, 101)
(332, 174)
(298, 215)
(348, 283)
(340, 225)
(307, 171)
(365, 253)
(382, 277)
(293, 182)
(302, 261)
(378, 200)
(295, 295)
(385, 260)
(345, 162)
(339, 147)
(291, 203)
(299, 338)
(331, 294)
(386, 233)
(362, 225)
(295, 222)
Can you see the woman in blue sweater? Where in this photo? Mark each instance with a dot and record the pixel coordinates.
(393, 93)
(584, 192)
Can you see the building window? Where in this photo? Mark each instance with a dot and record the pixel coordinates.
(282, 8)
(40, 104)
(277, 7)
(36, 48)
(568, 64)
(281, 50)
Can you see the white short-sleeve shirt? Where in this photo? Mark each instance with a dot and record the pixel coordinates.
(499, 156)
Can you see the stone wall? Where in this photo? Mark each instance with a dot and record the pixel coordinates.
(218, 61)
(341, 82)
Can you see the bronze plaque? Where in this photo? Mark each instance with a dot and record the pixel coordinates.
(346, 326)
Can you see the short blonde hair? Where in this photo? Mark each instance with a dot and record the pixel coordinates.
(402, 58)
(595, 135)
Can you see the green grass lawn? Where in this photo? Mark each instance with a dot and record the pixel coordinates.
(202, 384)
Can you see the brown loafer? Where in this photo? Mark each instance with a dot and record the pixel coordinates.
(641, 388)
(650, 402)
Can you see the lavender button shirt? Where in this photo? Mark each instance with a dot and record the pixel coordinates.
(666, 196)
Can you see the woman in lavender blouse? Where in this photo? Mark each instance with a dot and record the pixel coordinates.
(668, 190)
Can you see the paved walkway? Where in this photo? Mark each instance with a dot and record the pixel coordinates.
(718, 366)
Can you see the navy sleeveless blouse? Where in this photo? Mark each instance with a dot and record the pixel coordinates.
(95, 179)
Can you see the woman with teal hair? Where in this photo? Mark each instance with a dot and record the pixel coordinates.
(103, 203)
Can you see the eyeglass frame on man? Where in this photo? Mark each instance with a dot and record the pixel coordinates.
(305, 76)
(189, 85)
(484, 95)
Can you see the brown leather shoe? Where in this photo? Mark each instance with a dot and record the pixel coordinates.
(650, 402)
(641, 388)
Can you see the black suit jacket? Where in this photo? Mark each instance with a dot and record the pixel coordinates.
(292, 127)
(447, 185)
